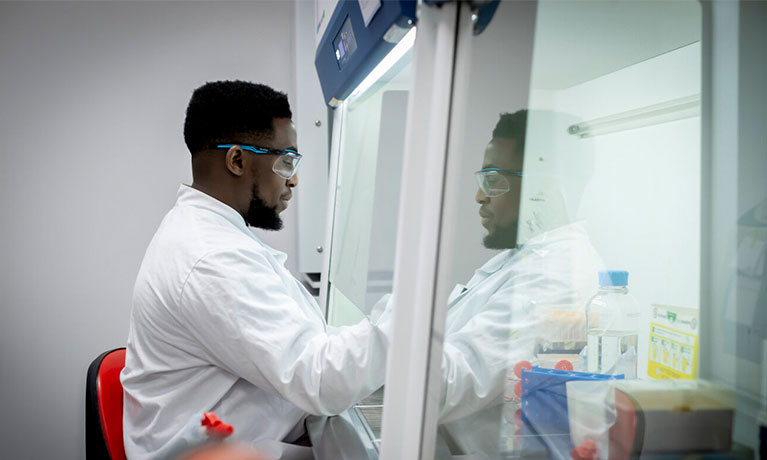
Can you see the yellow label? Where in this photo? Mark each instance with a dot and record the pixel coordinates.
(673, 354)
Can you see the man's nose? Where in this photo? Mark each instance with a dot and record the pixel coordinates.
(480, 197)
(293, 181)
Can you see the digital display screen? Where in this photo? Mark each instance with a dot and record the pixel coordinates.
(344, 44)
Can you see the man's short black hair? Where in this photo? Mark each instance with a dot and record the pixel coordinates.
(512, 126)
(221, 110)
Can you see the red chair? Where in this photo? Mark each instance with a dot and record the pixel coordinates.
(104, 407)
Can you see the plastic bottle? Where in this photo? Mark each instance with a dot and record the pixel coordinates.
(612, 324)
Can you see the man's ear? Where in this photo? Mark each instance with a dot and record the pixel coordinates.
(234, 160)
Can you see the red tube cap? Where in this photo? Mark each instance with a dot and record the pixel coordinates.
(214, 427)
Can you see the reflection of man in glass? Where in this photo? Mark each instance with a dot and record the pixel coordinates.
(500, 180)
(524, 302)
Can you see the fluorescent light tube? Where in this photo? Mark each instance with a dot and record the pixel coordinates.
(396, 53)
(675, 109)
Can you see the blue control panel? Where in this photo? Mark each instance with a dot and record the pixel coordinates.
(349, 50)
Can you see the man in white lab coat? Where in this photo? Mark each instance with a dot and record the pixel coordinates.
(218, 323)
(493, 322)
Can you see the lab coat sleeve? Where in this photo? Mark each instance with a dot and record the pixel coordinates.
(238, 308)
(477, 356)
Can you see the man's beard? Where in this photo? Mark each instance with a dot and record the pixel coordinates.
(260, 215)
(502, 238)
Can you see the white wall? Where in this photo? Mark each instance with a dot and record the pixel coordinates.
(311, 194)
(92, 100)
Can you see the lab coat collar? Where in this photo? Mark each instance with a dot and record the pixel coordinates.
(188, 196)
(497, 261)
(542, 243)
(480, 275)
(539, 243)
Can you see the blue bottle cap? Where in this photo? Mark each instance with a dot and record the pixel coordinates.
(613, 278)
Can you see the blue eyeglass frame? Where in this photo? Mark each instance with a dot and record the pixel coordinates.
(267, 151)
(263, 150)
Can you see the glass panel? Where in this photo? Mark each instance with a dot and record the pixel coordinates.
(735, 247)
(598, 107)
(367, 196)
(365, 216)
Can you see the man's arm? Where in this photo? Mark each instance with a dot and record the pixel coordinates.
(244, 317)
(476, 357)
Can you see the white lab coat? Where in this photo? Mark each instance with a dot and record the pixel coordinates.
(219, 324)
(492, 324)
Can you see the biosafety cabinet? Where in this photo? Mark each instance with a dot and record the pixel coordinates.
(488, 160)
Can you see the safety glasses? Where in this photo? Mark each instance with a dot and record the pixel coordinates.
(285, 165)
(493, 181)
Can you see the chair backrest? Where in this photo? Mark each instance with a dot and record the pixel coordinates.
(104, 407)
